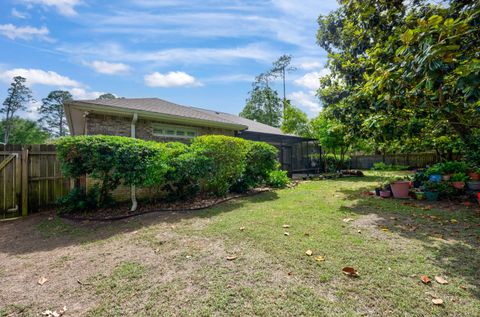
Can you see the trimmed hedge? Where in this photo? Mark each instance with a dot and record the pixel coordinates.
(214, 164)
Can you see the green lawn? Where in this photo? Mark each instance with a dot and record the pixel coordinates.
(175, 264)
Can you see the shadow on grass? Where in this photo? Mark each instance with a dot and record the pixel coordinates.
(449, 231)
(45, 231)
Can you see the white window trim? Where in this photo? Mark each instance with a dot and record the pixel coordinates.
(176, 128)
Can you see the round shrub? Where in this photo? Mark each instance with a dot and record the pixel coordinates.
(278, 179)
(228, 156)
(260, 160)
(111, 160)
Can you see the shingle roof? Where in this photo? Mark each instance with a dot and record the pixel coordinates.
(157, 105)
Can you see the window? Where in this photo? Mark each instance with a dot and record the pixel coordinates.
(174, 131)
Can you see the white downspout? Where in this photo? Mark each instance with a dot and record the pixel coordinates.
(132, 134)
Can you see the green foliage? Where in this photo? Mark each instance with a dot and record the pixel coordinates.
(295, 121)
(403, 71)
(380, 166)
(453, 167)
(330, 133)
(106, 96)
(18, 96)
(263, 105)
(228, 155)
(23, 131)
(278, 179)
(109, 159)
(53, 114)
(432, 186)
(173, 171)
(78, 200)
(459, 177)
(434, 170)
(187, 169)
(334, 162)
(261, 159)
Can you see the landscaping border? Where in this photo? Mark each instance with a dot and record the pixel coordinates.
(248, 194)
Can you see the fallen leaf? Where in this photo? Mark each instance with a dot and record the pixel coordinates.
(425, 279)
(49, 313)
(320, 258)
(286, 234)
(440, 280)
(286, 226)
(306, 234)
(350, 271)
(242, 228)
(231, 258)
(437, 301)
(359, 231)
(42, 280)
(453, 220)
(290, 273)
(347, 219)
(309, 252)
(385, 229)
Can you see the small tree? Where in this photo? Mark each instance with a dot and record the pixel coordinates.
(18, 97)
(295, 121)
(263, 106)
(53, 113)
(106, 96)
(24, 132)
(280, 67)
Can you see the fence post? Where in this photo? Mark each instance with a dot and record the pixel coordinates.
(24, 181)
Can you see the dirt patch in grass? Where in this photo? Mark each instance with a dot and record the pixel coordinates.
(175, 264)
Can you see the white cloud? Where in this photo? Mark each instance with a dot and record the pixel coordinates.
(307, 100)
(109, 68)
(17, 14)
(39, 77)
(64, 7)
(24, 32)
(171, 79)
(309, 65)
(312, 80)
(80, 93)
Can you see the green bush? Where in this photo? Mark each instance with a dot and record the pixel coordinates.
(261, 159)
(228, 155)
(111, 160)
(278, 179)
(334, 163)
(172, 171)
(78, 200)
(452, 167)
(188, 169)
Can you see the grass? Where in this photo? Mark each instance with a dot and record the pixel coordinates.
(176, 264)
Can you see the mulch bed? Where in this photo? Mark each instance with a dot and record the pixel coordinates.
(122, 211)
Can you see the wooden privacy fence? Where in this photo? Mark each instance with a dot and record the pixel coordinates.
(30, 178)
(410, 159)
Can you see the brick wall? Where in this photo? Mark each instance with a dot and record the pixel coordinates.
(116, 125)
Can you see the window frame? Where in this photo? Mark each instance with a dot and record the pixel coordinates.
(184, 129)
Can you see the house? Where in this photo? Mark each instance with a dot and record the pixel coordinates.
(160, 120)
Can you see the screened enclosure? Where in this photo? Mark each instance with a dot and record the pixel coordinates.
(295, 154)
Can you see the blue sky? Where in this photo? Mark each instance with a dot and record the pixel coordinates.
(200, 53)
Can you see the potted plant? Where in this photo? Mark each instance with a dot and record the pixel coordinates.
(434, 173)
(432, 190)
(452, 167)
(420, 195)
(385, 191)
(474, 174)
(419, 178)
(400, 188)
(458, 180)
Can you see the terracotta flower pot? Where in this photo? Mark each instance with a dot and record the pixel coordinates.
(474, 176)
(458, 185)
(400, 189)
(385, 193)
